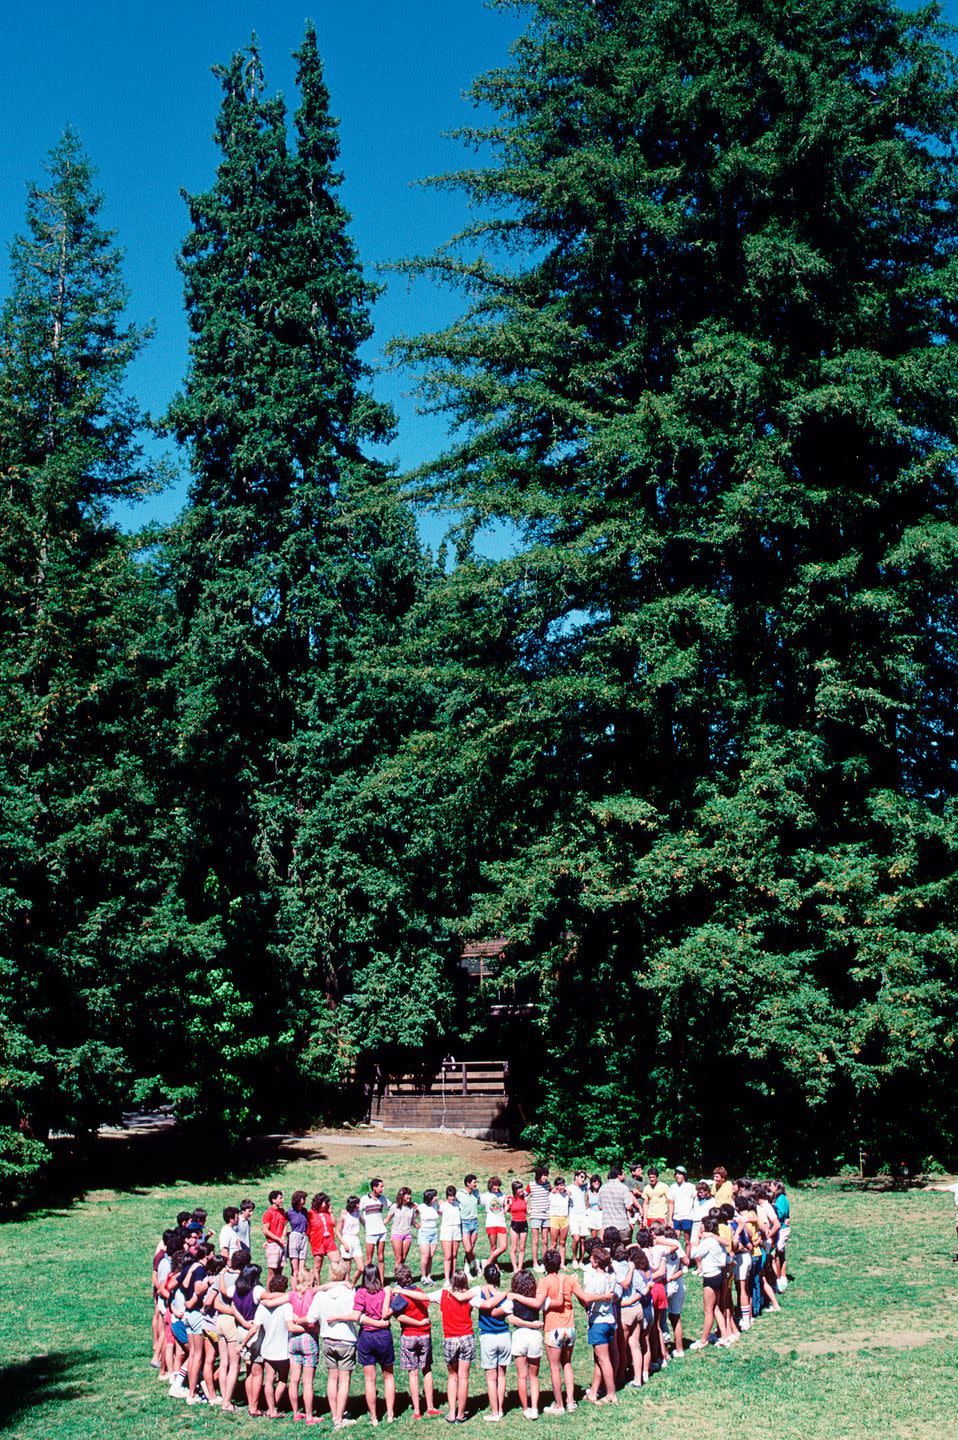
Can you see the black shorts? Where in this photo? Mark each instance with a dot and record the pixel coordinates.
(713, 1282)
(520, 1227)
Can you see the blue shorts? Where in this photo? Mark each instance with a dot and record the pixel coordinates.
(470, 1227)
(684, 1225)
(179, 1332)
(601, 1333)
(376, 1347)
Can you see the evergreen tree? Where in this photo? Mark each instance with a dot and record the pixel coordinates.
(707, 375)
(81, 652)
(293, 559)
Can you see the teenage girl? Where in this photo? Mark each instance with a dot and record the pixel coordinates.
(559, 1290)
(494, 1203)
(323, 1239)
(594, 1212)
(401, 1212)
(450, 1232)
(303, 1347)
(229, 1340)
(597, 1294)
(376, 1346)
(526, 1340)
(298, 1238)
(349, 1235)
(428, 1233)
(519, 1225)
(711, 1256)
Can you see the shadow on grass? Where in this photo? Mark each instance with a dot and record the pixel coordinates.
(140, 1160)
(40, 1381)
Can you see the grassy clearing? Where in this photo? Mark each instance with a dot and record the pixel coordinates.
(868, 1340)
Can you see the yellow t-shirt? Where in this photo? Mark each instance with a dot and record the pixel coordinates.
(656, 1199)
(723, 1195)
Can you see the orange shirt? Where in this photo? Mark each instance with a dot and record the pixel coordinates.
(559, 1290)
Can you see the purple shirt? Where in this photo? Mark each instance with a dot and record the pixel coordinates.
(297, 1221)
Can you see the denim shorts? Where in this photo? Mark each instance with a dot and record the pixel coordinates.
(470, 1227)
(601, 1333)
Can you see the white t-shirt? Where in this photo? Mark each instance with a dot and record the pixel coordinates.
(494, 1204)
(560, 1205)
(229, 1240)
(683, 1198)
(338, 1300)
(274, 1341)
(428, 1217)
(712, 1254)
(451, 1220)
(701, 1208)
(372, 1212)
(579, 1198)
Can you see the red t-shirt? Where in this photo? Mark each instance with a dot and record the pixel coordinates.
(456, 1315)
(519, 1207)
(274, 1221)
(417, 1313)
(320, 1224)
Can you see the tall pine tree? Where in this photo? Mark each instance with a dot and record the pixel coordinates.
(293, 560)
(81, 652)
(707, 374)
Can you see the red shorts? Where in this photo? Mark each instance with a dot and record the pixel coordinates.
(324, 1245)
(495, 1229)
(659, 1297)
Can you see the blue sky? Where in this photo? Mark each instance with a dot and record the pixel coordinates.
(134, 80)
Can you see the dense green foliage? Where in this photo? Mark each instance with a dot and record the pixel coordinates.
(80, 642)
(293, 563)
(707, 373)
(689, 745)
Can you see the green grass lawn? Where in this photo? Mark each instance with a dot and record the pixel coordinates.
(868, 1340)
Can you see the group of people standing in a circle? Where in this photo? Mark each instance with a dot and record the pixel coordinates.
(634, 1242)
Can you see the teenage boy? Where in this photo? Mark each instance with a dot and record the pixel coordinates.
(540, 1192)
(655, 1199)
(229, 1239)
(468, 1199)
(372, 1208)
(275, 1226)
(246, 1212)
(681, 1201)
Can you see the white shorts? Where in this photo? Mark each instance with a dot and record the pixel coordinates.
(675, 1294)
(527, 1342)
(349, 1249)
(781, 1239)
(579, 1225)
(560, 1335)
(743, 1264)
(446, 1234)
(595, 1221)
(373, 1237)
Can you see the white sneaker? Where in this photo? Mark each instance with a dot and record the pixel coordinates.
(781, 1284)
(178, 1388)
(531, 1414)
(540, 1269)
(571, 1405)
